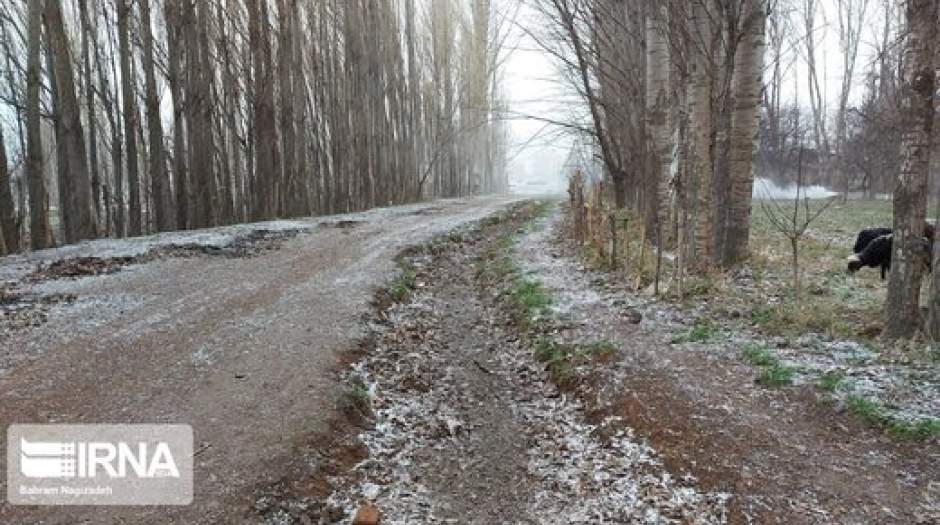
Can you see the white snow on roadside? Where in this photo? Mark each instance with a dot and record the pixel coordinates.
(15, 267)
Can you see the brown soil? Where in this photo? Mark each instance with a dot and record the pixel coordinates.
(470, 430)
(244, 349)
(785, 455)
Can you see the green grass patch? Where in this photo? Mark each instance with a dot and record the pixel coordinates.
(541, 208)
(356, 400)
(529, 297)
(547, 350)
(599, 348)
(819, 314)
(762, 314)
(558, 358)
(778, 374)
(702, 331)
(526, 296)
(759, 356)
(874, 414)
(922, 429)
(496, 264)
(403, 284)
(561, 359)
(773, 372)
(831, 381)
(866, 409)
(698, 286)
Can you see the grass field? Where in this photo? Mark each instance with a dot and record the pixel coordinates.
(835, 302)
(843, 305)
(829, 340)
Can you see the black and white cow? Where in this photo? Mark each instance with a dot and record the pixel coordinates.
(867, 235)
(876, 252)
(873, 249)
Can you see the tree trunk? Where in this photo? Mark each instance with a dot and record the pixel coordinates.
(130, 118)
(702, 133)
(659, 119)
(93, 164)
(75, 194)
(111, 195)
(902, 307)
(8, 228)
(264, 131)
(745, 123)
(159, 179)
(173, 15)
(933, 322)
(231, 171)
(289, 198)
(302, 122)
(39, 228)
(200, 113)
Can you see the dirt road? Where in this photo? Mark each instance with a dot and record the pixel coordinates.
(239, 348)
(469, 428)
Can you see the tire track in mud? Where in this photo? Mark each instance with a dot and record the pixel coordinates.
(469, 428)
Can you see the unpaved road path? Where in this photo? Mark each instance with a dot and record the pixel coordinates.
(468, 427)
(242, 349)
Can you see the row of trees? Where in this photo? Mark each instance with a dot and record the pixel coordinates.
(676, 91)
(136, 116)
(854, 142)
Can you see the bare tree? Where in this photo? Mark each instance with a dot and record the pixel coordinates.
(74, 184)
(39, 228)
(279, 107)
(9, 232)
(199, 114)
(702, 47)
(129, 99)
(745, 122)
(264, 129)
(851, 19)
(159, 179)
(809, 39)
(902, 306)
(173, 16)
(658, 115)
(94, 165)
(792, 221)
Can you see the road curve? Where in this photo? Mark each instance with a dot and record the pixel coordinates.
(239, 348)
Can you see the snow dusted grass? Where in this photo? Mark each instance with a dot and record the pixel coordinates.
(470, 424)
(833, 338)
(835, 303)
(830, 341)
(403, 284)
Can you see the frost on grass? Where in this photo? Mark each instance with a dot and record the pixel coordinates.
(485, 416)
(906, 390)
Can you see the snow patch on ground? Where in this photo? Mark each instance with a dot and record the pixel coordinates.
(15, 267)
